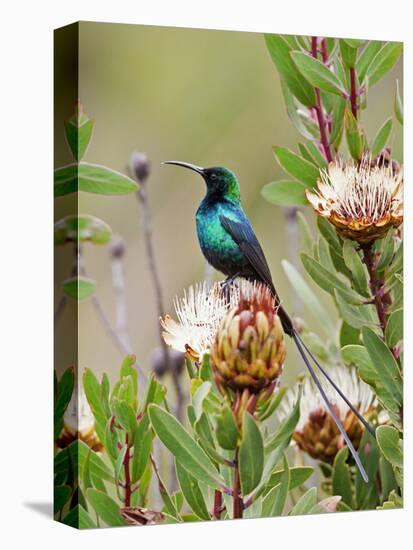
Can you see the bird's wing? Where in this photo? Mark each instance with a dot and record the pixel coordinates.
(244, 236)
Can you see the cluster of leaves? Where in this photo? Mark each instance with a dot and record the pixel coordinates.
(91, 488)
(90, 178)
(325, 83)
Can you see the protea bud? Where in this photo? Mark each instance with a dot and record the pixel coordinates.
(249, 348)
(79, 423)
(362, 200)
(316, 433)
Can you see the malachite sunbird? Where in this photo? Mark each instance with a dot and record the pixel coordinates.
(230, 245)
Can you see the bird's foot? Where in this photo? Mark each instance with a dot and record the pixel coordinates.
(226, 285)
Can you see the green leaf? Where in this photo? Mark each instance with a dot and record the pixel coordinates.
(353, 42)
(227, 430)
(266, 409)
(398, 104)
(317, 73)
(305, 230)
(348, 335)
(192, 492)
(366, 57)
(353, 135)
(105, 507)
(83, 454)
(390, 445)
(73, 229)
(119, 463)
(280, 53)
(79, 288)
(381, 137)
(384, 61)
(91, 178)
(387, 478)
(327, 280)
(141, 451)
(371, 374)
(274, 501)
(283, 436)
(155, 393)
(329, 233)
(394, 328)
(79, 518)
(316, 154)
(298, 476)
(61, 496)
(126, 417)
(355, 316)
(78, 131)
(292, 112)
(296, 166)
(342, 477)
(285, 193)
(251, 455)
(381, 355)
(386, 249)
(339, 107)
(305, 503)
(348, 53)
(355, 265)
(184, 448)
(93, 395)
(199, 397)
(306, 294)
(367, 493)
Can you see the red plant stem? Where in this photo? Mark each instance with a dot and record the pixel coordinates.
(217, 505)
(325, 145)
(353, 92)
(324, 52)
(128, 481)
(376, 286)
(236, 498)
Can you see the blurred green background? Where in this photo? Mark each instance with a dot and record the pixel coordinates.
(206, 97)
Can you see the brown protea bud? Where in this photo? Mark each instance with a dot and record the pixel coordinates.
(362, 200)
(249, 348)
(320, 437)
(316, 433)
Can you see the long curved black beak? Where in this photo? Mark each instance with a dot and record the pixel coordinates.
(193, 167)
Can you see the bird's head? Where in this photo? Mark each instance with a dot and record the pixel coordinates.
(220, 181)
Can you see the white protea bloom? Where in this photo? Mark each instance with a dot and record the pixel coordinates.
(200, 312)
(79, 423)
(316, 432)
(362, 200)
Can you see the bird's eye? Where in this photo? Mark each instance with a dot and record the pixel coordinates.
(213, 176)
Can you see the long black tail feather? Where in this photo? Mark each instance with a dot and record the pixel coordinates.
(302, 350)
(366, 424)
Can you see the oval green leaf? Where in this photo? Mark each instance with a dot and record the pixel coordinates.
(184, 448)
(285, 193)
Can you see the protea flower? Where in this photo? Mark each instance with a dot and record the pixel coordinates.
(316, 432)
(249, 347)
(363, 201)
(199, 313)
(79, 423)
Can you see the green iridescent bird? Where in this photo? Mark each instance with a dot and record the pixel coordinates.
(230, 245)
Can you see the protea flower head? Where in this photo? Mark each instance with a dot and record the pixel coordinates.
(199, 313)
(79, 423)
(316, 432)
(249, 347)
(362, 200)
